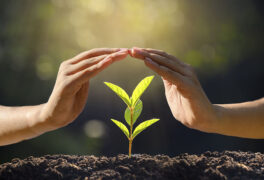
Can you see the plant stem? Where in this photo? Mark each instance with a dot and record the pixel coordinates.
(131, 128)
(130, 147)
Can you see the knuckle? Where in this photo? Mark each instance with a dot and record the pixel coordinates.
(190, 69)
(63, 65)
(163, 53)
(65, 70)
(66, 63)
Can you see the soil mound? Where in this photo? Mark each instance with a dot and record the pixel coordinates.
(209, 165)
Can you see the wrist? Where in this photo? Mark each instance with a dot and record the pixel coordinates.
(38, 122)
(217, 119)
(209, 122)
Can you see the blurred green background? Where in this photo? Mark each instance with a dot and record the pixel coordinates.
(223, 40)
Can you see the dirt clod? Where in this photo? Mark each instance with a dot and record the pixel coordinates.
(209, 165)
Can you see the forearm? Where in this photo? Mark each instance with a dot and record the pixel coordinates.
(242, 119)
(66, 102)
(20, 123)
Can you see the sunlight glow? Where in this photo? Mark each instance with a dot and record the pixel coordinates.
(94, 128)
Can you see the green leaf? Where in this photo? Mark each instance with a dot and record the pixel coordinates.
(136, 113)
(143, 126)
(141, 87)
(120, 92)
(122, 127)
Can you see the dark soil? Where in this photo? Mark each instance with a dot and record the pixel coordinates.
(210, 165)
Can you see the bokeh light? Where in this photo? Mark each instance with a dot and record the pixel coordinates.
(94, 128)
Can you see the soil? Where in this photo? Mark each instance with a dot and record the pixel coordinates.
(209, 165)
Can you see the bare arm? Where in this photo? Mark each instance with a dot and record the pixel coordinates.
(16, 123)
(66, 102)
(241, 119)
(190, 105)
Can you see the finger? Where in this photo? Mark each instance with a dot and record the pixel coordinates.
(164, 61)
(90, 62)
(133, 53)
(85, 64)
(156, 51)
(93, 53)
(162, 53)
(86, 74)
(164, 72)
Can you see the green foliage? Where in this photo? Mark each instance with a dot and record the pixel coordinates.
(133, 110)
(32, 46)
(122, 127)
(142, 126)
(137, 111)
(139, 90)
(120, 92)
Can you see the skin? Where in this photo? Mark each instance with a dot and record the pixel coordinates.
(190, 105)
(186, 98)
(66, 102)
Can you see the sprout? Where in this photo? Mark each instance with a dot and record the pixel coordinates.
(133, 110)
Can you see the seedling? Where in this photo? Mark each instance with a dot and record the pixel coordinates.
(133, 110)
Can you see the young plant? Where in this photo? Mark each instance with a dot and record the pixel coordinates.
(133, 110)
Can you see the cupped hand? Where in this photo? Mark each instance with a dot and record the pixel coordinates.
(186, 98)
(71, 88)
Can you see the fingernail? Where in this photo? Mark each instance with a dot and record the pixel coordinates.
(123, 49)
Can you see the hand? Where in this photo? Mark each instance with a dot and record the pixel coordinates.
(185, 96)
(71, 88)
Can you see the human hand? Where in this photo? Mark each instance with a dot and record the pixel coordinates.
(186, 98)
(71, 88)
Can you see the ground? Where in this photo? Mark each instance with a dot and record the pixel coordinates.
(209, 165)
